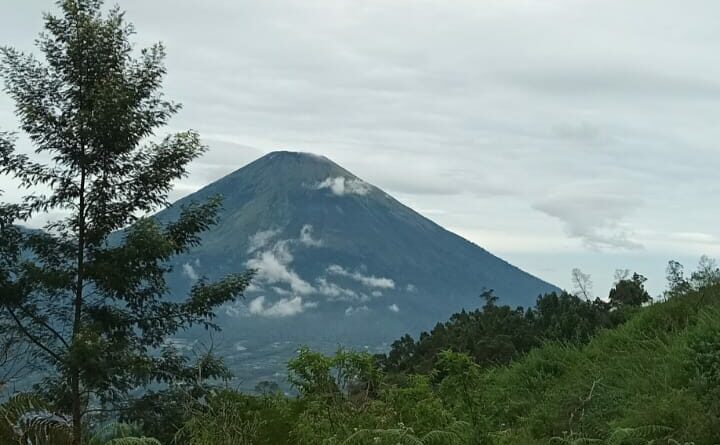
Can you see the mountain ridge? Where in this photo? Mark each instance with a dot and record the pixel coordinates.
(339, 260)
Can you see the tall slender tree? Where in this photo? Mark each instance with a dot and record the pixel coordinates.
(88, 292)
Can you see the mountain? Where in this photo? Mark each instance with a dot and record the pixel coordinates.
(339, 262)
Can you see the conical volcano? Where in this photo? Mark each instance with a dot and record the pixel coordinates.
(339, 261)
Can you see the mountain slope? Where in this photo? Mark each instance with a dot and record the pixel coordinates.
(339, 260)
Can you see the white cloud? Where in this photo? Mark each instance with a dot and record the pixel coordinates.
(335, 292)
(261, 239)
(252, 287)
(273, 266)
(411, 288)
(341, 186)
(352, 310)
(594, 212)
(189, 271)
(394, 308)
(285, 307)
(235, 310)
(281, 291)
(694, 237)
(369, 281)
(538, 118)
(376, 293)
(306, 236)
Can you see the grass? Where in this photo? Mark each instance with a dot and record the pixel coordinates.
(642, 374)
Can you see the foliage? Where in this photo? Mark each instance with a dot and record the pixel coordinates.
(88, 292)
(116, 433)
(456, 434)
(653, 379)
(629, 292)
(221, 423)
(27, 419)
(161, 412)
(498, 334)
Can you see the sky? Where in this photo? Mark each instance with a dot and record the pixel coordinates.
(556, 134)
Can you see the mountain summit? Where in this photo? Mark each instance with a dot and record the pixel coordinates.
(339, 261)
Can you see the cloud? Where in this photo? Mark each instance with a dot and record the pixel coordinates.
(582, 132)
(394, 308)
(306, 236)
(522, 122)
(369, 281)
(273, 266)
(593, 215)
(341, 186)
(261, 239)
(352, 310)
(694, 237)
(411, 288)
(189, 271)
(281, 291)
(252, 287)
(335, 292)
(285, 307)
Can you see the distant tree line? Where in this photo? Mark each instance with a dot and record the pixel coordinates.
(496, 334)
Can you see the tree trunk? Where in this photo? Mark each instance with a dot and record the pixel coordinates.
(77, 322)
(76, 408)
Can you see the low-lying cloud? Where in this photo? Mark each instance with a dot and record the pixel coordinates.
(273, 266)
(285, 307)
(335, 292)
(261, 239)
(365, 280)
(594, 216)
(341, 186)
(306, 237)
(189, 271)
(353, 310)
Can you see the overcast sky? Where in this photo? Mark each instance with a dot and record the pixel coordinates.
(556, 134)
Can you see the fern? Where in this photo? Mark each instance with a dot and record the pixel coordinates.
(573, 439)
(26, 418)
(639, 435)
(457, 434)
(134, 441)
(117, 433)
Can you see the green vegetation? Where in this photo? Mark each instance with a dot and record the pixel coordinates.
(92, 305)
(652, 379)
(92, 309)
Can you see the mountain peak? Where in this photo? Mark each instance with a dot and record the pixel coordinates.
(286, 170)
(337, 260)
(296, 159)
(289, 154)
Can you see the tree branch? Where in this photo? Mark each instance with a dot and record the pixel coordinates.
(32, 338)
(46, 326)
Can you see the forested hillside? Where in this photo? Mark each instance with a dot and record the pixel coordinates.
(627, 375)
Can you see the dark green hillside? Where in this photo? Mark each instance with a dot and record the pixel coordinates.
(653, 379)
